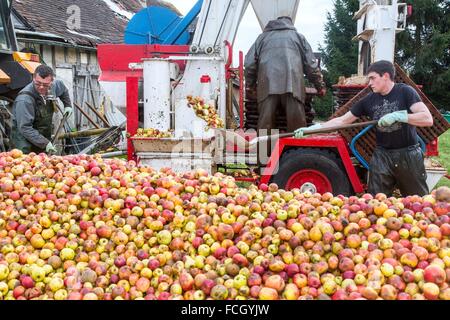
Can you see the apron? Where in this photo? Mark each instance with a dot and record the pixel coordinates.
(42, 123)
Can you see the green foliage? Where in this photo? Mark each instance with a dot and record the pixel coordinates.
(340, 54)
(444, 157)
(423, 49)
(324, 106)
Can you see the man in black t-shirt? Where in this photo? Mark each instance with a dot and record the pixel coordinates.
(397, 159)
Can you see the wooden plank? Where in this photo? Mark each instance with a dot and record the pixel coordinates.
(86, 115)
(440, 124)
(83, 95)
(101, 117)
(4, 78)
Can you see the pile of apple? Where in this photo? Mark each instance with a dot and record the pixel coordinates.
(79, 227)
(153, 133)
(206, 112)
(243, 173)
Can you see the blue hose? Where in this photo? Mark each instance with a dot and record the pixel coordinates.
(423, 146)
(353, 147)
(363, 132)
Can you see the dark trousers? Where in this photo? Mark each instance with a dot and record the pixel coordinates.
(402, 168)
(267, 110)
(295, 111)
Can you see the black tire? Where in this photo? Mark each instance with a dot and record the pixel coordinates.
(324, 161)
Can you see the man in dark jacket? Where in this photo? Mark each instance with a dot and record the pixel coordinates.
(275, 66)
(33, 112)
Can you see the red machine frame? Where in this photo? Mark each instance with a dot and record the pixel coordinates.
(119, 70)
(334, 141)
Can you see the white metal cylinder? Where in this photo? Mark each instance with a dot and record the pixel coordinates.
(157, 94)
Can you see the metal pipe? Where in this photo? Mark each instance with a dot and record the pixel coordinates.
(177, 58)
(229, 118)
(61, 125)
(82, 134)
(68, 129)
(113, 154)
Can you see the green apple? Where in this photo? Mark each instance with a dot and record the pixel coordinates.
(4, 271)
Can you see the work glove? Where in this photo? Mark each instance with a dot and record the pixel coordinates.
(67, 111)
(303, 132)
(391, 118)
(50, 148)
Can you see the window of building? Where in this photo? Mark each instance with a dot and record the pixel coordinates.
(4, 43)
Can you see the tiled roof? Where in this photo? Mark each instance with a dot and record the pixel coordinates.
(101, 21)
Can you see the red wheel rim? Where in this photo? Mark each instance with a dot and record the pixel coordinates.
(315, 177)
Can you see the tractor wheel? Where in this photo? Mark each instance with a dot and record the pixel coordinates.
(314, 170)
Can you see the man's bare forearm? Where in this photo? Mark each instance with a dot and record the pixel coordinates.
(420, 119)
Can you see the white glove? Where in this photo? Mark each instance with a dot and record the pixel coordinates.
(50, 148)
(303, 132)
(391, 118)
(68, 111)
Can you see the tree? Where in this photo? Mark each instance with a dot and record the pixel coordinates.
(340, 54)
(423, 49)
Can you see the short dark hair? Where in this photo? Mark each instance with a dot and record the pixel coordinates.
(44, 71)
(381, 67)
(28, 50)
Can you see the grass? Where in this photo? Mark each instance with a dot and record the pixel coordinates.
(444, 157)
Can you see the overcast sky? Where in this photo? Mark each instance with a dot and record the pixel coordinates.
(311, 17)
